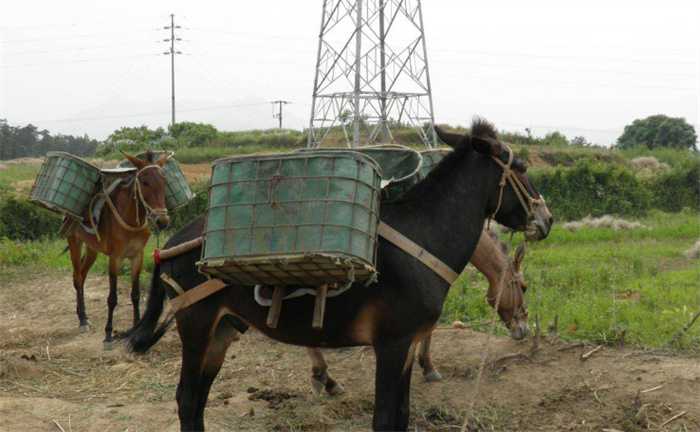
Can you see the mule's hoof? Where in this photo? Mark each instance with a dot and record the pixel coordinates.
(84, 328)
(317, 386)
(432, 376)
(335, 390)
(107, 346)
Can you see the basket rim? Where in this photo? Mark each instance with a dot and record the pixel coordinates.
(387, 147)
(71, 156)
(299, 155)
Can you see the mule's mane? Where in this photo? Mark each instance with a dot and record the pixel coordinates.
(150, 156)
(483, 128)
(443, 170)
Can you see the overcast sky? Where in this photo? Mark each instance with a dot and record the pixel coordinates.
(586, 68)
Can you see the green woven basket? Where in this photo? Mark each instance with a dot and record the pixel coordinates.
(292, 219)
(430, 159)
(400, 166)
(65, 184)
(178, 192)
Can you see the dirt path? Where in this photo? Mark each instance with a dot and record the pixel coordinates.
(51, 372)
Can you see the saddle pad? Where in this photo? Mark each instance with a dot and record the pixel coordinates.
(263, 293)
(97, 207)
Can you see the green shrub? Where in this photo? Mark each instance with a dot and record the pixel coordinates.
(676, 189)
(14, 253)
(22, 220)
(592, 189)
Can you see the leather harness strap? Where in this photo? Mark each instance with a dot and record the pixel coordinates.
(410, 247)
(190, 297)
(177, 250)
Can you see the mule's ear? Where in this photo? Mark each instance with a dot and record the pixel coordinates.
(485, 137)
(519, 256)
(163, 160)
(138, 163)
(451, 139)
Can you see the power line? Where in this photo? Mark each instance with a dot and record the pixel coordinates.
(151, 113)
(68, 37)
(69, 49)
(100, 59)
(563, 56)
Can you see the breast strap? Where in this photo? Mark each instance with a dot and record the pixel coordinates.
(410, 247)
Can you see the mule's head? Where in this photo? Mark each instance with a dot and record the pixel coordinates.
(511, 306)
(514, 201)
(151, 186)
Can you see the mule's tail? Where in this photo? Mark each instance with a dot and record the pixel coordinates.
(147, 332)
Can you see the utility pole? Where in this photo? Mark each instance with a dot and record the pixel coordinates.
(278, 114)
(172, 53)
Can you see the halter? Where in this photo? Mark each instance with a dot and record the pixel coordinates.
(526, 200)
(138, 198)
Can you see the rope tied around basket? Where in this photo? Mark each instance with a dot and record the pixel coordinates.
(275, 180)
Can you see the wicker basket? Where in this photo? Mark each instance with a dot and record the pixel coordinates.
(65, 184)
(178, 192)
(294, 219)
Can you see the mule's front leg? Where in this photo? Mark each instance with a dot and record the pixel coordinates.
(111, 300)
(392, 385)
(136, 266)
(205, 339)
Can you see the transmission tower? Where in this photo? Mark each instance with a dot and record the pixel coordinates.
(371, 72)
(172, 52)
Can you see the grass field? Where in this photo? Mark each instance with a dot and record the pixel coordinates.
(14, 172)
(606, 286)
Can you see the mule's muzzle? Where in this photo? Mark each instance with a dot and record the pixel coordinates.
(161, 219)
(519, 331)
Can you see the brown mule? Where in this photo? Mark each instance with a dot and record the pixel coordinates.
(503, 274)
(122, 233)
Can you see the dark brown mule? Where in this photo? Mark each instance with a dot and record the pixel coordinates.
(444, 213)
(122, 234)
(503, 274)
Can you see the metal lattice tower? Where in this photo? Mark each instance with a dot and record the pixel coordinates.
(371, 72)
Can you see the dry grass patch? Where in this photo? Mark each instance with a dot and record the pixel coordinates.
(606, 221)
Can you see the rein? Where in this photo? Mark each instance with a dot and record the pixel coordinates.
(509, 176)
(138, 198)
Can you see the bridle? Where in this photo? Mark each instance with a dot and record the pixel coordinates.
(510, 289)
(527, 202)
(151, 212)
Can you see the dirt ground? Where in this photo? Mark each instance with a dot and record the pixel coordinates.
(54, 378)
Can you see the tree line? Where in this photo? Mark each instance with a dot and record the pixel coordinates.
(30, 141)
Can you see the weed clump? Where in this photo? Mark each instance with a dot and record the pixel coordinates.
(694, 251)
(606, 221)
(648, 166)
